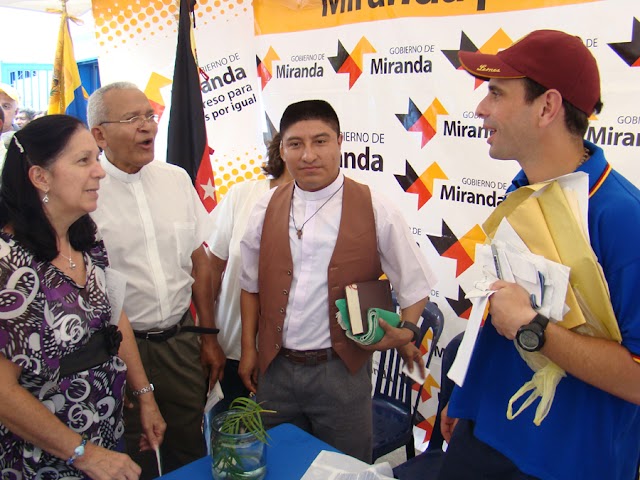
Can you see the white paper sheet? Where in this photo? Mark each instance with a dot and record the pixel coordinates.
(215, 395)
(458, 370)
(337, 466)
(418, 376)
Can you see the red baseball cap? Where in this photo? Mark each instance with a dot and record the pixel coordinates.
(554, 59)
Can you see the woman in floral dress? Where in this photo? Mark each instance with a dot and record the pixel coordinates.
(62, 367)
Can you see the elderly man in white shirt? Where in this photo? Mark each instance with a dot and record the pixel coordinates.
(305, 242)
(154, 225)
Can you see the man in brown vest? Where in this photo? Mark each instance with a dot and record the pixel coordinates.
(305, 241)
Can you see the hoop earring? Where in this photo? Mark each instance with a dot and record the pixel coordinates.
(45, 199)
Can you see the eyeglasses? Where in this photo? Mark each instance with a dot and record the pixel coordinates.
(136, 121)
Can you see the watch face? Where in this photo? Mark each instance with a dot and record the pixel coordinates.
(528, 340)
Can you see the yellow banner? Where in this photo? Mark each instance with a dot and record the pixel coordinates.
(280, 16)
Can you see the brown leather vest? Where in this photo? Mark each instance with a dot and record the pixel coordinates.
(355, 259)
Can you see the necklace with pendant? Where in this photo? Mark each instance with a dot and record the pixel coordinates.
(299, 230)
(72, 264)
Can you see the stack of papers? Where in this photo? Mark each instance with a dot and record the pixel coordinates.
(337, 466)
(509, 258)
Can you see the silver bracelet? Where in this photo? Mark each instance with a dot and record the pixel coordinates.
(143, 390)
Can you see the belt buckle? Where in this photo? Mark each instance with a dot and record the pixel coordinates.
(157, 335)
(150, 334)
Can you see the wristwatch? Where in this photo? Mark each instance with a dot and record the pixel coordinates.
(530, 337)
(413, 327)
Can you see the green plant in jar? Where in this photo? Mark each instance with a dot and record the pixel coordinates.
(238, 440)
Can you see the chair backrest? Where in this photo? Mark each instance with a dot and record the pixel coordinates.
(391, 383)
(446, 388)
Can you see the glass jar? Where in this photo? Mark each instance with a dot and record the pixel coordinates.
(236, 456)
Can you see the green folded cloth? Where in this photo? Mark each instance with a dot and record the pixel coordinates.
(374, 331)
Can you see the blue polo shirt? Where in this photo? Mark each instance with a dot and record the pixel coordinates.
(588, 434)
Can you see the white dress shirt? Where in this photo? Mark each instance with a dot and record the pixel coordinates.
(306, 326)
(151, 222)
(230, 219)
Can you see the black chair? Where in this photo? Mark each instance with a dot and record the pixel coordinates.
(426, 466)
(394, 411)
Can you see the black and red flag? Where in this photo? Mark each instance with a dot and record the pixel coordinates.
(187, 144)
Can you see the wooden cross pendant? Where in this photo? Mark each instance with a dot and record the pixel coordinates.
(299, 232)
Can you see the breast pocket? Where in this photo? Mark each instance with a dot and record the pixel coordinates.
(184, 233)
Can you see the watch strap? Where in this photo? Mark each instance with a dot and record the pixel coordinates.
(414, 328)
(541, 320)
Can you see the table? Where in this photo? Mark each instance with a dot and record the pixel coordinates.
(290, 452)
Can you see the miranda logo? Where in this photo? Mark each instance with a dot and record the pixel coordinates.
(351, 63)
(462, 250)
(421, 185)
(499, 41)
(426, 123)
(629, 52)
(265, 67)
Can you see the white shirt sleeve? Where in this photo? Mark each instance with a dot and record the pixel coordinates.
(402, 261)
(250, 245)
(223, 219)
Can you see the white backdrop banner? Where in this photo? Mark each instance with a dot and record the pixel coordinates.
(390, 69)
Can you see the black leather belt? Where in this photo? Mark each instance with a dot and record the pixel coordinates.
(164, 335)
(102, 345)
(308, 357)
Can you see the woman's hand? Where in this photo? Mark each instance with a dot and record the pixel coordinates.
(102, 464)
(153, 425)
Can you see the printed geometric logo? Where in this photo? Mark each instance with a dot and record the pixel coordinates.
(265, 67)
(630, 51)
(152, 91)
(462, 306)
(425, 123)
(462, 250)
(499, 41)
(352, 63)
(423, 184)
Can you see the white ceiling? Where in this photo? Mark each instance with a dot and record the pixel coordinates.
(74, 7)
(30, 34)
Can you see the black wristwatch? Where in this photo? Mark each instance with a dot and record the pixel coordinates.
(530, 337)
(414, 328)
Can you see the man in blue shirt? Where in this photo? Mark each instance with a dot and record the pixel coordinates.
(542, 91)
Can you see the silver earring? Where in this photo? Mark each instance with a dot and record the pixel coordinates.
(45, 199)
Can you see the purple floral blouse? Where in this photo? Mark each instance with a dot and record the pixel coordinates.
(45, 315)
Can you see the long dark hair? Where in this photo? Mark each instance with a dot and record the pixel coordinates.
(275, 164)
(39, 143)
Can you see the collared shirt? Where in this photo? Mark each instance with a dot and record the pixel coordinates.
(151, 222)
(306, 326)
(609, 447)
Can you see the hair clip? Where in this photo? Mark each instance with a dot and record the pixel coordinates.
(18, 144)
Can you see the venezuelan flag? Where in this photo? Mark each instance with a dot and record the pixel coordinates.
(67, 94)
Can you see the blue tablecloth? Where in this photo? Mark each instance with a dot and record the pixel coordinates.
(290, 452)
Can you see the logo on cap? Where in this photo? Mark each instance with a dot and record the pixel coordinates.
(484, 68)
